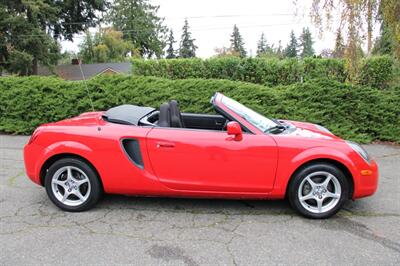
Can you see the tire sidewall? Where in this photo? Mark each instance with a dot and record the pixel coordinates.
(302, 174)
(95, 190)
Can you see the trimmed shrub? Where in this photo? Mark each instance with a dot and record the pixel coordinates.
(329, 68)
(353, 112)
(376, 71)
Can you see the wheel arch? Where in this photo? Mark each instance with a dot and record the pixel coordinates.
(333, 162)
(51, 160)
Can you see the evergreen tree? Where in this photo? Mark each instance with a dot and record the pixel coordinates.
(187, 47)
(237, 43)
(306, 44)
(338, 51)
(279, 50)
(29, 30)
(384, 43)
(170, 44)
(291, 48)
(139, 22)
(262, 45)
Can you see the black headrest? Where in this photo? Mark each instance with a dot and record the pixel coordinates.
(176, 118)
(164, 119)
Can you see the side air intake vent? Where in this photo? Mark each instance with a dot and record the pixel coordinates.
(132, 149)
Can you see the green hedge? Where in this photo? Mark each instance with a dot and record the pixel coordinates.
(353, 112)
(376, 71)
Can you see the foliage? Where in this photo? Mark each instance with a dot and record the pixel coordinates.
(355, 16)
(291, 48)
(358, 17)
(306, 43)
(384, 44)
(170, 44)
(266, 71)
(237, 43)
(262, 45)
(20, 63)
(187, 47)
(377, 71)
(30, 29)
(138, 21)
(225, 52)
(353, 112)
(390, 13)
(107, 45)
(266, 50)
(338, 51)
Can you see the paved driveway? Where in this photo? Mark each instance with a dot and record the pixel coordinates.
(193, 232)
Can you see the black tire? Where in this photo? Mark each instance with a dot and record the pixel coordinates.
(95, 186)
(297, 180)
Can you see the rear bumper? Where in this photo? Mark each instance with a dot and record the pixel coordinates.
(366, 185)
(32, 155)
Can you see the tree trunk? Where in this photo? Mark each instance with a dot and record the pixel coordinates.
(369, 27)
(34, 66)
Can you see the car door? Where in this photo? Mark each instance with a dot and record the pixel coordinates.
(206, 160)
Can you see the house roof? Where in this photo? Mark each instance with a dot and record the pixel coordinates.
(73, 72)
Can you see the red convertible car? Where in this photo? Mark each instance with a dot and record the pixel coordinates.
(235, 154)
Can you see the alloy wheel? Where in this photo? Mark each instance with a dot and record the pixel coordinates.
(71, 186)
(319, 192)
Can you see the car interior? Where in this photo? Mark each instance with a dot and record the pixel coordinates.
(169, 115)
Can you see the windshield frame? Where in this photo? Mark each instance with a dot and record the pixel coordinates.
(220, 105)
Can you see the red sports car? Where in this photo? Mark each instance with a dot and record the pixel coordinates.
(236, 153)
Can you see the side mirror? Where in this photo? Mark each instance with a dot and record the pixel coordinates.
(233, 128)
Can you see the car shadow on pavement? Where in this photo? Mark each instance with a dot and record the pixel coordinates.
(191, 205)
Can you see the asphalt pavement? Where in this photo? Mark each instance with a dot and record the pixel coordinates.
(163, 231)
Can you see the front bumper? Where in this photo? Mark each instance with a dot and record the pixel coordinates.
(366, 180)
(32, 154)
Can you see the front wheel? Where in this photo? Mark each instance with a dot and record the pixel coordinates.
(318, 190)
(72, 185)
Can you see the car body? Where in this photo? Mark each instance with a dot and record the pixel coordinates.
(228, 155)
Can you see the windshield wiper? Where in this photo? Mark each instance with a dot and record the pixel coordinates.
(276, 129)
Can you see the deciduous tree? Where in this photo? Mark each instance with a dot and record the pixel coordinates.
(107, 45)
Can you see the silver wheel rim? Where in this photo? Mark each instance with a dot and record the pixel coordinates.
(71, 186)
(319, 192)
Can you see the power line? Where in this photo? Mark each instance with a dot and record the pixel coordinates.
(138, 30)
(206, 16)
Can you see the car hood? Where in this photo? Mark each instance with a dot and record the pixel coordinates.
(307, 130)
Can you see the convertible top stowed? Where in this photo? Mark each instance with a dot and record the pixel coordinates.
(127, 114)
(238, 154)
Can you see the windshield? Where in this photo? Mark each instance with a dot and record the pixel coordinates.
(257, 120)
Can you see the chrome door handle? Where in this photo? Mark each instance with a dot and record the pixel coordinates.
(162, 144)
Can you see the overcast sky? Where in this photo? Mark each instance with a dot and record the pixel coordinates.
(212, 21)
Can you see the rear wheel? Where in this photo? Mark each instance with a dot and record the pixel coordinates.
(72, 185)
(318, 190)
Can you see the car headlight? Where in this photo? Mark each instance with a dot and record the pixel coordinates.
(360, 150)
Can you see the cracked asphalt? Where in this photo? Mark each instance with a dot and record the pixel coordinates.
(131, 230)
